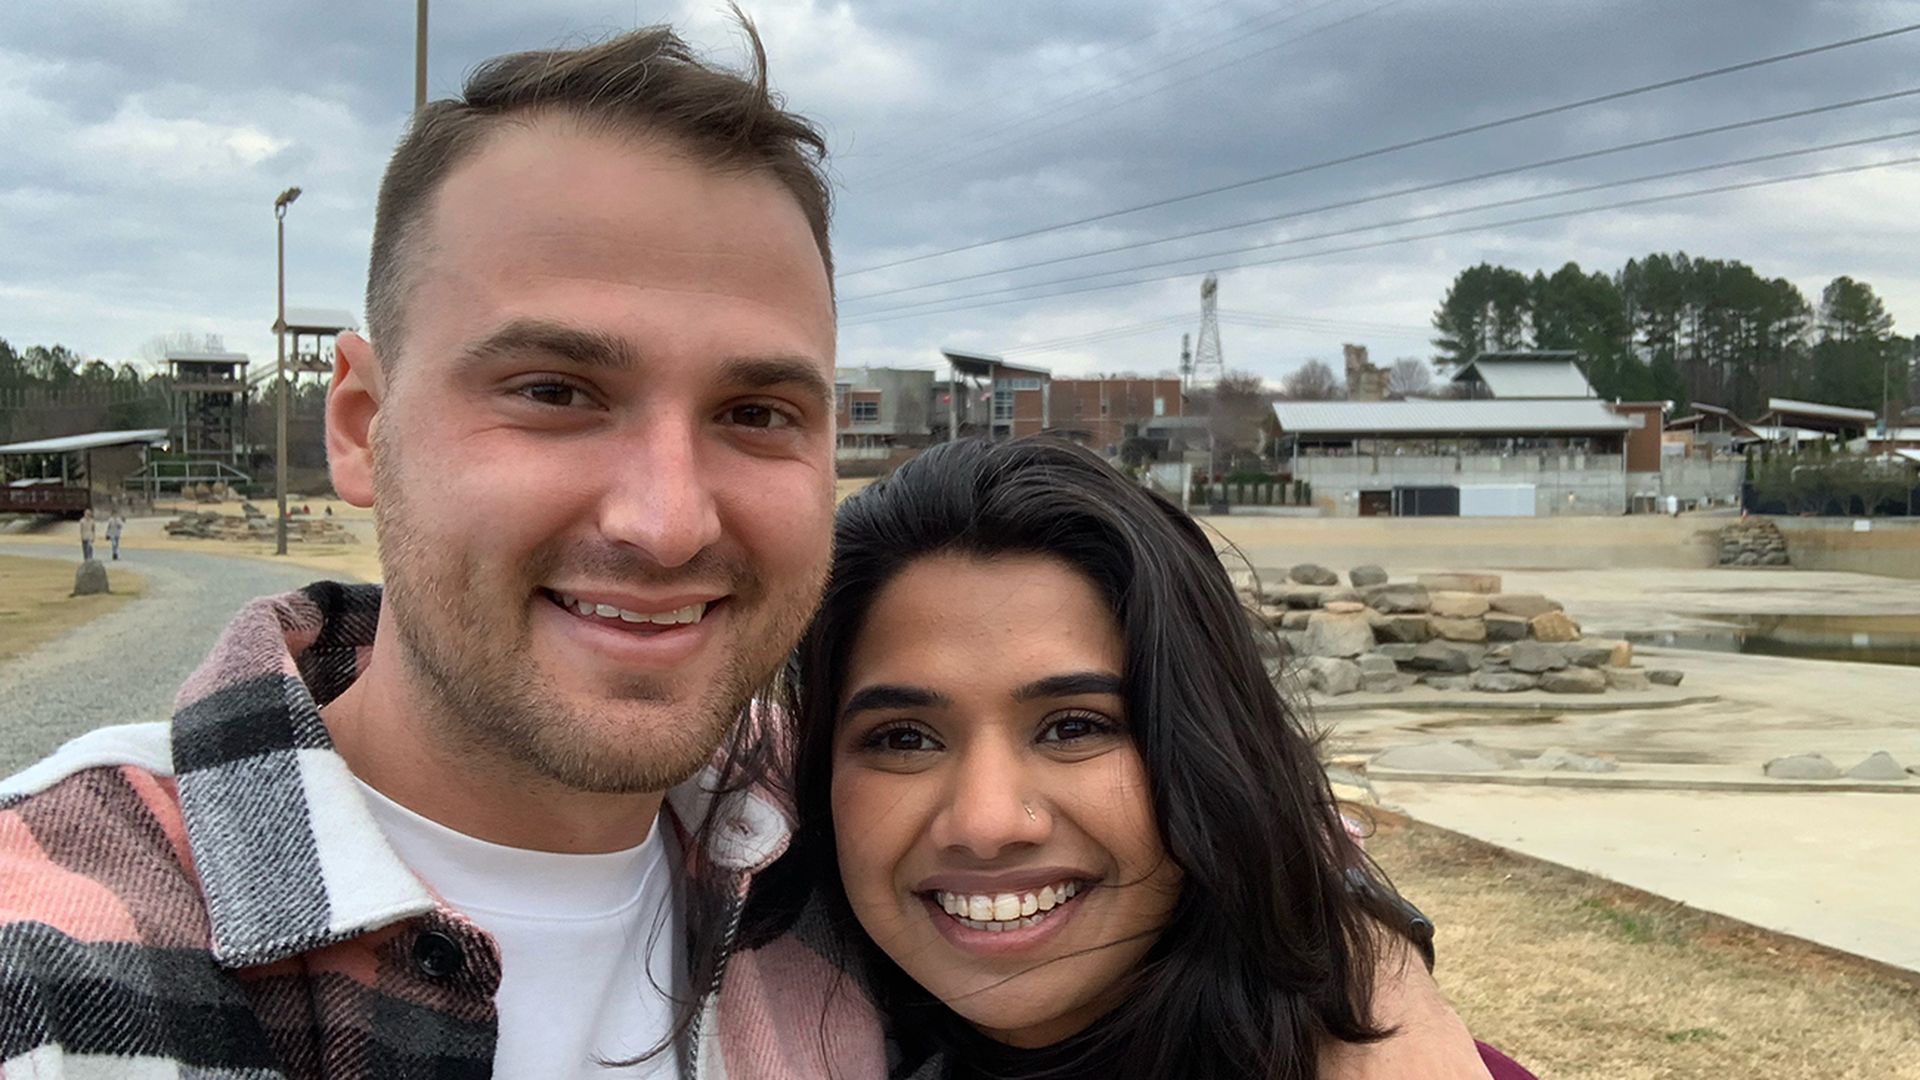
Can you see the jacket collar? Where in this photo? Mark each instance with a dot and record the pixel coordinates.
(289, 857)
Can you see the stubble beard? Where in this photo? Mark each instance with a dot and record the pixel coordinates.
(487, 701)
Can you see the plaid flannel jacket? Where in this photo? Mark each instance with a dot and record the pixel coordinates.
(211, 899)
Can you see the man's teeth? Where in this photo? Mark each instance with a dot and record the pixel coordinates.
(1005, 911)
(677, 617)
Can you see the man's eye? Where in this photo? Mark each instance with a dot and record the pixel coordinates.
(756, 416)
(557, 394)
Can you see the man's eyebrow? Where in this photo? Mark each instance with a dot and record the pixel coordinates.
(1070, 685)
(767, 373)
(889, 696)
(586, 348)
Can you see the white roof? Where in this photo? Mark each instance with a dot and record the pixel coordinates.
(92, 441)
(317, 318)
(216, 356)
(1910, 455)
(1531, 378)
(1810, 408)
(1497, 417)
(1776, 433)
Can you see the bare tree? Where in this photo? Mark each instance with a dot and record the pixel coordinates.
(1235, 407)
(1409, 377)
(1312, 381)
(156, 348)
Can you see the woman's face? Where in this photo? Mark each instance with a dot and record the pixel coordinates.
(993, 819)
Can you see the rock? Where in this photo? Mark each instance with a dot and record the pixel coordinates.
(1774, 558)
(1340, 594)
(1397, 599)
(1535, 657)
(1344, 607)
(1457, 605)
(1363, 576)
(1588, 652)
(1473, 583)
(1330, 634)
(1387, 684)
(1331, 676)
(1879, 766)
(1397, 651)
(1351, 787)
(1457, 629)
(1560, 759)
(1295, 620)
(1446, 657)
(1375, 664)
(1272, 615)
(90, 579)
(1448, 682)
(1622, 654)
(1525, 605)
(1574, 681)
(1665, 677)
(1553, 626)
(1412, 629)
(1293, 642)
(1802, 767)
(1504, 682)
(1313, 574)
(1301, 597)
(1442, 756)
(1502, 627)
(1619, 678)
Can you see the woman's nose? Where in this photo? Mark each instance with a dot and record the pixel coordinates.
(992, 807)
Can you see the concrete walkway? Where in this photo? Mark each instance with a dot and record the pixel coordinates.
(126, 665)
(1837, 869)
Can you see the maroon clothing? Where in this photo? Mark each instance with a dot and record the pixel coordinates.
(1501, 1066)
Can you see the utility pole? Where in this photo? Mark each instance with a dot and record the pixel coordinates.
(280, 371)
(419, 56)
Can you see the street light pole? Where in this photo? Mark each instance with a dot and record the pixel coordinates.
(419, 55)
(280, 371)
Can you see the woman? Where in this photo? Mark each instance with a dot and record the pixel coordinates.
(1076, 831)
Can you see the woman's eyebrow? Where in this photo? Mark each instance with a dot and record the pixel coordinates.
(1070, 685)
(889, 696)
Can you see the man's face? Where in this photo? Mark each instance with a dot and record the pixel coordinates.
(603, 465)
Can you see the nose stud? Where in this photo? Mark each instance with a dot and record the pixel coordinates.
(1031, 816)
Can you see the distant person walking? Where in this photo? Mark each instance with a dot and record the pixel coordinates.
(86, 535)
(115, 524)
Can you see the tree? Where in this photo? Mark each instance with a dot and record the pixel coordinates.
(1235, 407)
(1857, 360)
(1485, 310)
(156, 348)
(1312, 381)
(1409, 377)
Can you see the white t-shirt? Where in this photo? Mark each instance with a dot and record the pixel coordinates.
(573, 931)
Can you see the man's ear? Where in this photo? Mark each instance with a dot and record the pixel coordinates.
(353, 406)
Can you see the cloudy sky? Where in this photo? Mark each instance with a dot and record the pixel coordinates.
(145, 141)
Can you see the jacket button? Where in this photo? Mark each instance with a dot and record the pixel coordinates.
(437, 956)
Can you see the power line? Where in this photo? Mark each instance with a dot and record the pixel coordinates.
(878, 317)
(1425, 140)
(1417, 189)
(922, 169)
(1414, 219)
(1083, 61)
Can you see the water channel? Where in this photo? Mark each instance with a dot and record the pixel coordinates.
(1870, 639)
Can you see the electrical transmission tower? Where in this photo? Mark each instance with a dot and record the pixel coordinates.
(1209, 365)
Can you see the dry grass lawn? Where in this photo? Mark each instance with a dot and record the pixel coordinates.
(35, 607)
(1577, 977)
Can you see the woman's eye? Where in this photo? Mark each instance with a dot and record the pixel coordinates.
(756, 416)
(900, 740)
(1068, 729)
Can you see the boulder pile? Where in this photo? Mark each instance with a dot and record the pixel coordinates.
(253, 525)
(1753, 542)
(1446, 631)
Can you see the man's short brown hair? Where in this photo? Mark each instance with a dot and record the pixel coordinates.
(646, 81)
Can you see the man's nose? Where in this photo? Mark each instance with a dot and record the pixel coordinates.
(992, 808)
(659, 497)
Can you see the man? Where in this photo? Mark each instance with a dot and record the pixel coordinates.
(86, 535)
(470, 828)
(115, 524)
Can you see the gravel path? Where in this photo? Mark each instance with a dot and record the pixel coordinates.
(126, 666)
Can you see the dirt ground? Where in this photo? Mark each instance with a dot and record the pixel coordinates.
(1582, 979)
(35, 604)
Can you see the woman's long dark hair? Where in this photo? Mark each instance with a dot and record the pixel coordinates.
(1269, 950)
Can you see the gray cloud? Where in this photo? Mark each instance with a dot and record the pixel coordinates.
(147, 139)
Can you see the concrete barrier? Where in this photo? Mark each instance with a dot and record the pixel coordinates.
(1886, 546)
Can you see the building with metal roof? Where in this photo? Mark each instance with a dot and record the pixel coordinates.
(74, 444)
(1524, 375)
(1325, 421)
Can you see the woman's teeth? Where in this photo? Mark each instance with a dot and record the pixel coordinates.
(1005, 911)
(677, 617)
